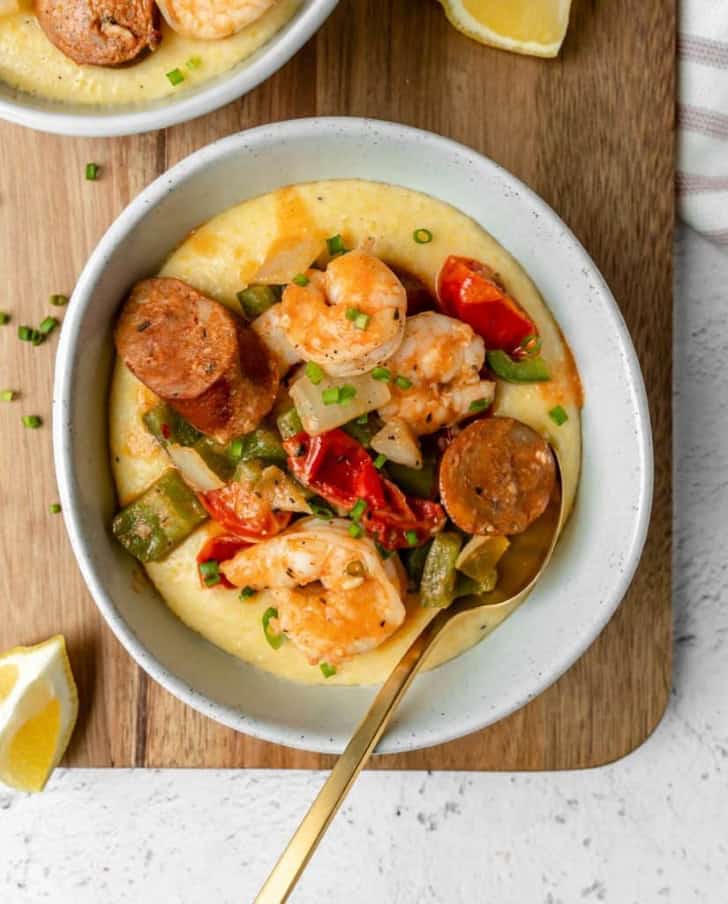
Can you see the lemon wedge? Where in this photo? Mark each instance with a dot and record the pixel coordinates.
(535, 27)
(38, 709)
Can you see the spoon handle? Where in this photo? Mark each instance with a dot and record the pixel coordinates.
(287, 871)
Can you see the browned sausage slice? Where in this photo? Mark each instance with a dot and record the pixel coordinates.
(100, 32)
(175, 340)
(496, 477)
(193, 352)
(238, 401)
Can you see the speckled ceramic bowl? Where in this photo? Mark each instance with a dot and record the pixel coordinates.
(85, 121)
(597, 555)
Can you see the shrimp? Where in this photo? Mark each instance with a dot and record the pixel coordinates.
(212, 19)
(442, 358)
(335, 596)
(348, 319)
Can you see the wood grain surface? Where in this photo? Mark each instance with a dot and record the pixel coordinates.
(592, 132)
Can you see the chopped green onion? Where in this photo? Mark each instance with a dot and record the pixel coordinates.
(479, 405)
(320, 508)
(358, 509)
(355, 530)
(314, 372)
(361, 321)
(58, 300)
(275, 640)
(175, 76)
(380, 461)
(54, 508)
(347, 392)
(335, 245)
(422, 236)
(558, 415)
(330, 396)
(4, 318)
(247, 592)
(38, 337)
(352, 313)
(328, 671)
(210, 571)
(92, 171)
(411, 537)
(383, 551)
(382, 374)
(235, 449)
(25, 333)
(300, 279)
(7, 395)
(194, 62)
(48, 325)
(402, 382)
(362, 419)
(32, 421)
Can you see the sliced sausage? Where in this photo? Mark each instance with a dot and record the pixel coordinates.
(496, 477)
(194, 353)
(100, 32)
(244, 394)
(175, 340)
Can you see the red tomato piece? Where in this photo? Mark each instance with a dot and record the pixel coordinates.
(242, 513)
(340, 470)
(221, 547)
(468, 290)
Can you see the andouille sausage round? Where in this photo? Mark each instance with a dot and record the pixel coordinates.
(194, 353)
(100, 32)
(496, 477)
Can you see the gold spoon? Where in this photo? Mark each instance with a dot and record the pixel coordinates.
(519, 569)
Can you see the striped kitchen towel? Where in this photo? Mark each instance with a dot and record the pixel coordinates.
(702, 117)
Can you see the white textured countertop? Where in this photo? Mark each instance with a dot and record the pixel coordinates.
(651, 828)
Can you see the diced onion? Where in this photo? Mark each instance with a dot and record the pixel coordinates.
(193, 468)
(398, 443)
(269, 330)
(282, 491)
(480, 555)
(288, 260)
(318, 417)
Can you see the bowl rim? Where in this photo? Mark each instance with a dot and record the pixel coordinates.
(82, 298)
(222, 90)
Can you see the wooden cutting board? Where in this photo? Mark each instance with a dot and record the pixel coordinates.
(592, 132)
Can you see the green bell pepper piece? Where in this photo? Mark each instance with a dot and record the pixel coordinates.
(363, 428)
(415, 481)
(437, 587)
(167, 426)
(414, 563)
(527, 370)
(256, 299)
(263, 443)
(161, 518)
(289, 423)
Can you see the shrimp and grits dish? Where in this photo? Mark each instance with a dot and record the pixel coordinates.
(109, 52)
(334, 411)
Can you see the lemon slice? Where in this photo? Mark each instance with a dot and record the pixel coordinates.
(38, 709)
(535, 27)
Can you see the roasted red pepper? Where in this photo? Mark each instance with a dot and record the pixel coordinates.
(340, 470)
(402, 515)
(241, 512)
(219, 548)
(468, 290)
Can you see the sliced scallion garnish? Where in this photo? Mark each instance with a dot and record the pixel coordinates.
(328, 671)
(175, 76)
(314, 372)
(92, 171)
(402, 382)
(335, 245)
(275, 640)
(422, 236)
(383, 374)
(247, 592)
(479, 405)
(558, 415)
(358, 509)
(210, 571)
(32, 421)
(300, 279)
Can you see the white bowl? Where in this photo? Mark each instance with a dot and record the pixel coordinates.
(84, 121)
(597, 555)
